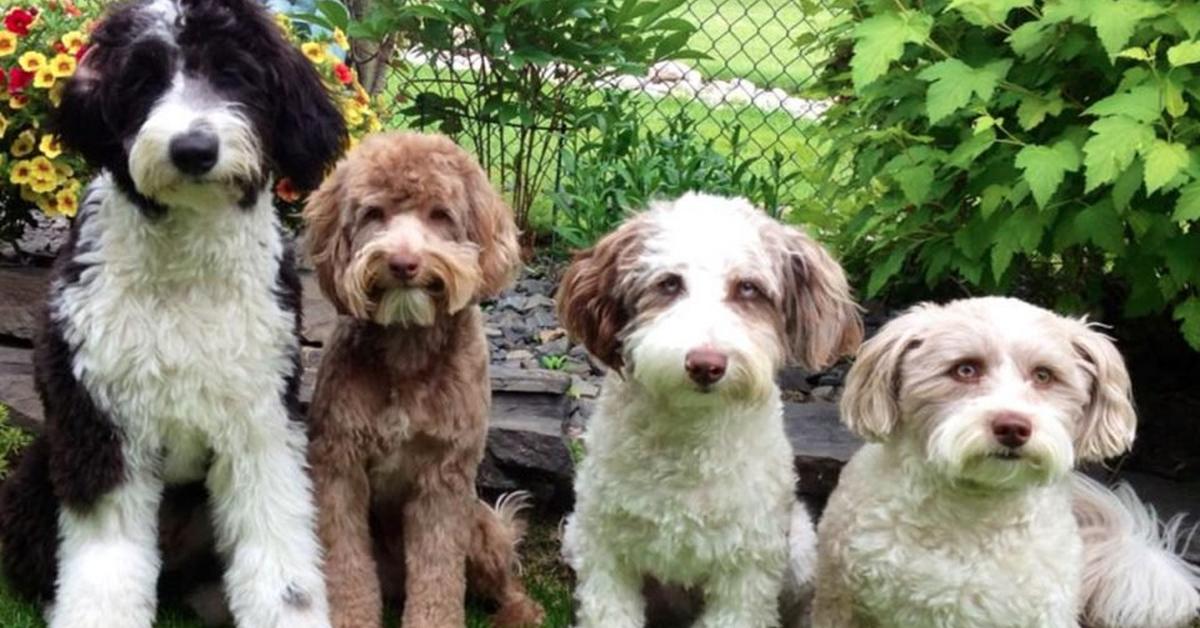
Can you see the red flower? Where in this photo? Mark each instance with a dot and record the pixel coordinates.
(59, 47)
(343, 73)
(18, 21)
(3, 79)
(18, 79)
(73, 10)
(286, 191)
(82, 50)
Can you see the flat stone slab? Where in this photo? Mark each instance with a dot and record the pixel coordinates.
(517, 380)
(22, 293)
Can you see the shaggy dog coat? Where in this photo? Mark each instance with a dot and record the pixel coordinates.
(407, 235)
(688, 477)
(169, 350)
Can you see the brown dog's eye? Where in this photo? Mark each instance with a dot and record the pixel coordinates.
(1043, 376)
(670, 285)
(372, 213)
(441, 215)
(967, 371)
(749, 291)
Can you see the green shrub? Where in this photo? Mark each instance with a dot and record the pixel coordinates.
(619, 167)
(1022, 145)
(12, 440)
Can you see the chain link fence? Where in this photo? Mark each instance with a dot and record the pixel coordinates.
(746, 89)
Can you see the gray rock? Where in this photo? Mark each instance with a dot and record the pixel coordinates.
(510, 380)
(826, 393)
(518, 355)
(555, 347)
(22, 296)
(794, 378)
(584, 388)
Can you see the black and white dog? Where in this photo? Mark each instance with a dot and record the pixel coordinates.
(170, 347)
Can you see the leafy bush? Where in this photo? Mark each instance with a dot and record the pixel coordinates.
(1023, 145)
(12, 440)
(39, 49)
(533, 64)
(619, 167)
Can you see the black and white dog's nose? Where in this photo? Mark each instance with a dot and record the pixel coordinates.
(194, 152)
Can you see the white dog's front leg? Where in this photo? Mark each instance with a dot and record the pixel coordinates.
(266, 527)
(108, 559)
(609, 595)
(742, 598)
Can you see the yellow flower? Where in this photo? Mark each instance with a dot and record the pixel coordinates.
(18, 102)
(44, 78)
(374, 126)
(41, 185)
(340, 39)
(32, 61)
(64, 171)
(43, 169)
(28, 195)
(68, 201)
(62, 65)
(314, 51)
(8, 43)
(73, 41)
(48, 204)
(50, 146)
(24, 144)
(21, 172)
(56, 93)
(284, 22)
(3, 127)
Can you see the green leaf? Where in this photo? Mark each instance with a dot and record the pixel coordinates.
(1034, 109)
(880, 39)
(1045, 167)
(1116, 20)
(1188, 315)
(1187, 208)
(1185, 53)
(1031, 39)
(1142, 103)
(1173, 98)
(335, 12)
(1188, 15)
(952, 83)
(887, 270)
(986, 12)
(1138, 54)
(993, 195)
(1164, 160)
(971, 148)
(1126, 186)
(1057, 11)
(915, 182)
(1115, 141)
(1097, 223)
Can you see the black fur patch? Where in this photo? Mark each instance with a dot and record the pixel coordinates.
(287, 295)
(29, 525)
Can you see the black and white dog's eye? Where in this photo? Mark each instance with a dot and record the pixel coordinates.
(748, 290)
(670, 285)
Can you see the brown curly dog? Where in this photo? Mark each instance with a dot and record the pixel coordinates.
(407, 236)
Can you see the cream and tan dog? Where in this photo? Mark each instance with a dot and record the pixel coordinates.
(959, 513)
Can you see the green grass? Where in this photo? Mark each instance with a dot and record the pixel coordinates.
(754, 39)
(546, 578)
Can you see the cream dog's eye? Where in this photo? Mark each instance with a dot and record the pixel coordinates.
(967, 371)
(670, 285)
(1043, 375)
(748, 290)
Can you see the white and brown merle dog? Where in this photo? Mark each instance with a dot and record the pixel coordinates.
(169, 352)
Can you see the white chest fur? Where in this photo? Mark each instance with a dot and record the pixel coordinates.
(175, 325)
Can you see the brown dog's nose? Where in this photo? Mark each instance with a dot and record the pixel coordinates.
(404, 266)
(705, 366)
(1011, 429)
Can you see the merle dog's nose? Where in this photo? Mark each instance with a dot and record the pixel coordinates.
(1011, 429)
(405, 267)
(194, 152)
(705, 366)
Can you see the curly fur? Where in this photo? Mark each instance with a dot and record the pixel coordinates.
(399, 415)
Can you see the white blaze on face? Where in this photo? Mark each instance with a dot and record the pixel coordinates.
(191, 106)
(710, 243)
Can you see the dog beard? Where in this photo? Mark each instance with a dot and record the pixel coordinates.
(406, 307)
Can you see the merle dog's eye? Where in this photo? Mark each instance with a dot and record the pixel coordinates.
(670, 285)
(967, 371)
(372, 213)
(748, 291)
(1043, 376)
(441, 215)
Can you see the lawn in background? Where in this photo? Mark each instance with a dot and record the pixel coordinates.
(754, 40)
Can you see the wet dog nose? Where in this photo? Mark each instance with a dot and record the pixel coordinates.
(705, 366)
(404, 267)
(194, 152)
(1011, 429)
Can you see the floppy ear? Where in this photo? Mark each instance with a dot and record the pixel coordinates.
(491, 227)
(870, 404)
(79, 118)
(309, 132)
(591, 301)
(329, 236)
(823, 321)
(1110, 421)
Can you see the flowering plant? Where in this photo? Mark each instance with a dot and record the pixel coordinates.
(39, 49)
(326, 50)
